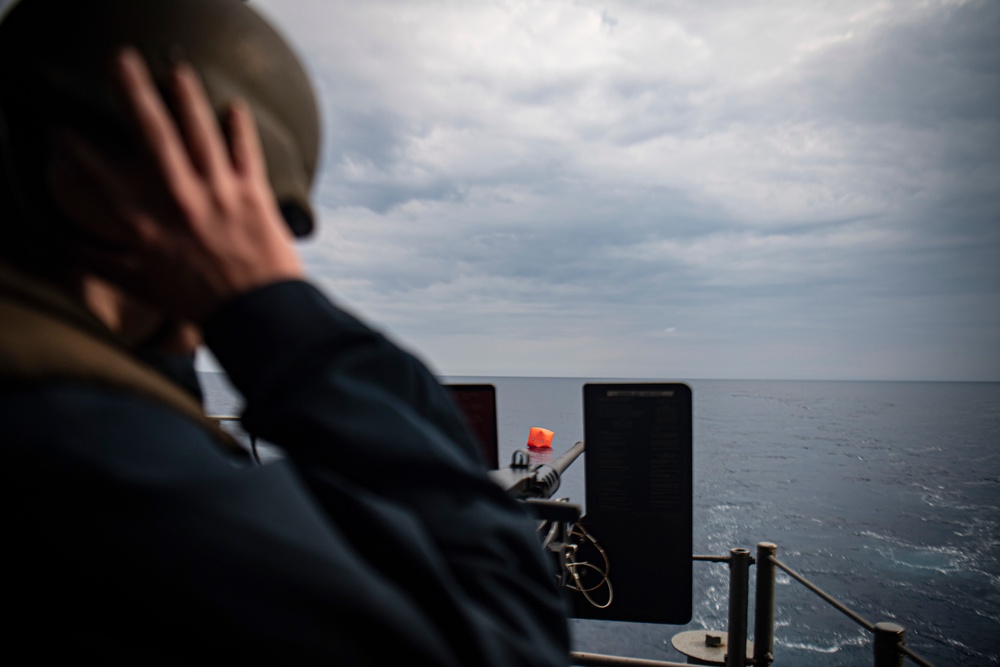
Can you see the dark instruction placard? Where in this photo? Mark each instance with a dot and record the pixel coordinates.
(639, 498)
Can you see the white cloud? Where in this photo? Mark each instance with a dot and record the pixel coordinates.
(671, 188)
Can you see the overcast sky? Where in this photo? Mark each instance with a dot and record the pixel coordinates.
(666, 189)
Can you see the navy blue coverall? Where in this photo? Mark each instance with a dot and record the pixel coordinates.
(131, 536)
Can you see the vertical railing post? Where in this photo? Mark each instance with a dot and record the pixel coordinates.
(763, 614)
(739, 591)
(888, 638)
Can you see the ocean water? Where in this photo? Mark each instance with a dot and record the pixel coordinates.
(884, 494)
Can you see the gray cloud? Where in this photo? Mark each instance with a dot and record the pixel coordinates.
(924, 72)
(670, 189)
(674, 189)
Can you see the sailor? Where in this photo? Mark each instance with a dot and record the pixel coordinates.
(157, 160)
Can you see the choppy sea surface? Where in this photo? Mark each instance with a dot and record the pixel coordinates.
(884, 494)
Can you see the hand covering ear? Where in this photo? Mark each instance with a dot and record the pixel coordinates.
(196, 223)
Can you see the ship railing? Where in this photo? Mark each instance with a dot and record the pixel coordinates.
(888, 639)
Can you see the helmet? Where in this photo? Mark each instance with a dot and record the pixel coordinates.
(55, 70)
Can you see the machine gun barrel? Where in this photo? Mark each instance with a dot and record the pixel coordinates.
(566, 459)
(523, 480)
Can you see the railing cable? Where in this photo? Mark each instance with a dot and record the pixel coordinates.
(833, 602)
(889, 632)
(923, 662)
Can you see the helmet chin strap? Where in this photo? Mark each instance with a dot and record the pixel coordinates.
(165, 337)
(171, 351)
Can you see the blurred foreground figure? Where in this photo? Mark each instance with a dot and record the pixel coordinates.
(156, 162)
